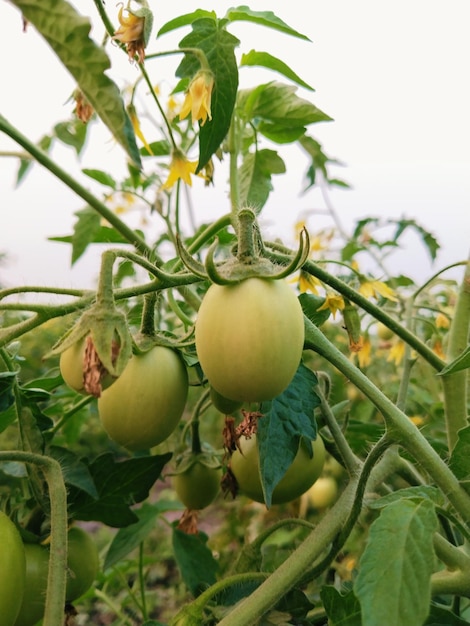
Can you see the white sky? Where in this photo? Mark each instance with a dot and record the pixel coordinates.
(392, 74)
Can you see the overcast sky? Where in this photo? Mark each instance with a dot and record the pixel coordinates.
(392, 74)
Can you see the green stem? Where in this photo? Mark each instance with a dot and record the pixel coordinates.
(56, 580)
(142, 582)
(455, 385)
(147, 323)
(43, 158)
(400, 428)
(68, 414)
(105, 292)
(234, 150)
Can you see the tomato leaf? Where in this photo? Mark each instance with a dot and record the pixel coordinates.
(119, 485)
(285, 420)
(462, 362)
(342, 610)
(130, 537)
(210, 36)
(195, 561)
(75, 472)
(310, 305)
(255, 177)
(67, 32)
(420, 492)
(264, 18)
(264, 59)
(7, 398)
(399, 555)
(439, 616)
(460, 459)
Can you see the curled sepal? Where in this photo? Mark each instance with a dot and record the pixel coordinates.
(193, 266)
(109, 333)
(233, 270)
(300, 257)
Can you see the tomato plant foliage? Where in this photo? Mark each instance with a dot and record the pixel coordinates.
(209, 355)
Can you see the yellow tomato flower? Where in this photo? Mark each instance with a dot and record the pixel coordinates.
(438, 349)
(307, 282)
(397, 352)
(180, 168)
(376, 288)
(136, 126)
(442, 321)
(198, 98)
(364, 353)
(334, 303)
(134, 31)
(418, 420)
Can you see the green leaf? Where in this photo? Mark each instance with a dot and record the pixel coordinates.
(25, 164)
(440, 616)
(255, 177)
(101, 177)
(120, 485)
(462, 362)
(278, 103)
(67, 32)
(74, 470)
(72, 133)
(87, 224)
(219, 47)
(341, 610)
(460, 459)
(7, 417)
(310, 304)
(264, 18)
(194, 559)
(264, 59)
(429, 241)
(285, 420)
(280, 133)
(186, 20)
(420, 492)
(129, 538)
(7, 398)
(103, 234)
(399, 556)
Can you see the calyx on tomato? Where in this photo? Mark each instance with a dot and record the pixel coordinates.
(143, 407)
(300, 476)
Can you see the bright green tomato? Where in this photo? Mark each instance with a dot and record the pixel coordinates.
(198, 486)
(300, 476)
(249, 338)
(12, 571)
(82, 562)
(143, 407)
(224, 405)
(82, 568)
(37, 566)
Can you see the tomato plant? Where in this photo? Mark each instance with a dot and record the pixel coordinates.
(12, 570)
(249, 338)
(37, 567)
(323, 493)
(82, 562)
(222, 404)
(143, 407)
(71, 364)
(303, 472)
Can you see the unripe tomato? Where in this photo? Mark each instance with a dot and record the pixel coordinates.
(82, 563)
(82, 568)
(224, 405)
(71, 367)
(323, 493)
(12, 571)
(198, 486)
(384, 332)
(143, 407)
(249, 338)
(302, 473)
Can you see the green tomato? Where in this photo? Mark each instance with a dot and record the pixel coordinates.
(249, 338)
(37, 567)
(198, 486)
(323, 493)
(143, 407)
(300, 476)
(12, 571)
(82, 563)
(224, 405)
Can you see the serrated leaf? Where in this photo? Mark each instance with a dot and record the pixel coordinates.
(103, 234)
(85, 228)
(460, 458)
(427, 238)
(72, 133)
(342, 610)
(219, 46)
(67, 33)
(278, 103)
(264, 18)
(186, 20)
(462, 362)
(399, 556)
(129, 538)
(120, 484)
(75, 472)
(420, 492)
(286, 419)
(101, 177)
(194, 559)
(255, 177)
(264, 59)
